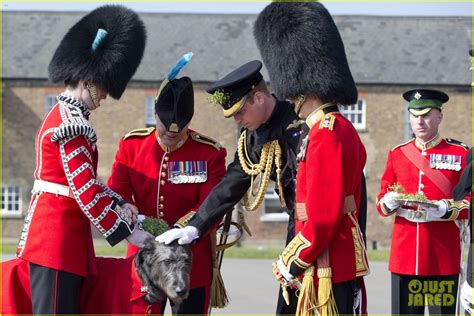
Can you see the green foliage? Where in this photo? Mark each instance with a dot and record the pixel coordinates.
(219, 98)
(418, 197)
(154, 226)
(396, 187)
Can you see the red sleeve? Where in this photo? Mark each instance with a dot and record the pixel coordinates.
(96, 203)
(388, 179)
(325, 193)
(119, 180)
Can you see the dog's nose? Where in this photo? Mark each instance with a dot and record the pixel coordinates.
(180, 291)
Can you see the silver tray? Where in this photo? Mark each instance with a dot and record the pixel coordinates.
(416, 203)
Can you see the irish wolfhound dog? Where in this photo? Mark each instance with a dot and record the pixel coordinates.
(164, 270)
(121, 286)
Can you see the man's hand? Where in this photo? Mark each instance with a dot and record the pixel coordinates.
(390, 200)
(131, 211)
(281, 274)
(139, 237)
(184, 235)
(435, 213)
(466, 297)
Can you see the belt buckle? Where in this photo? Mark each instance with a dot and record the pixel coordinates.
(417, 216)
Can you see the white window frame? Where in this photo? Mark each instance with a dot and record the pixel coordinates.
(150, 111)
(16, 201)
(351, 111)
(50, 101)
(270, 195)
(407, 131)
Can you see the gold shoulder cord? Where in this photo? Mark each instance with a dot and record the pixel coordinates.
(270, 151)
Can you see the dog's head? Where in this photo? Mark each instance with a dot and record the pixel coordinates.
(164, 270)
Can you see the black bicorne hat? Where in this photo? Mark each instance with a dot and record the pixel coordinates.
(230, 91)
(105, 48)
(174, 103)
(304, 53)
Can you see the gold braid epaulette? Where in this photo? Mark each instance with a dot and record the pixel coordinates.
(200, 138)
(270, 151)
(140, 132)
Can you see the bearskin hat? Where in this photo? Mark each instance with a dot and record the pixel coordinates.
(303, 52)
(105, 48)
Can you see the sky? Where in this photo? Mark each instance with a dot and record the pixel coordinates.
(407, 8)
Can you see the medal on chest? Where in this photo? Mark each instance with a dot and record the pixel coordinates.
(180, 172)
(445, 162)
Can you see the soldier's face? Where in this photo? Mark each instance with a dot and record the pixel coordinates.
(426, 127)
(169, 138)
(251, 115)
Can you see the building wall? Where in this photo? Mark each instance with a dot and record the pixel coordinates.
(23, 109)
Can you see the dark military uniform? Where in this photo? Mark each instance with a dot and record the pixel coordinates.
(283, 125)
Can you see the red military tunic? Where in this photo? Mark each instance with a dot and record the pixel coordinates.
(329, 177)
(57, 231)
(143, 174)
(425, 248)
(117, 289)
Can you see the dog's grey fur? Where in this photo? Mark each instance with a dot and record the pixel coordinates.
(164, 270)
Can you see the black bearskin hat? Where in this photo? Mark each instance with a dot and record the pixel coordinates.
(303, 52)
(105, 48)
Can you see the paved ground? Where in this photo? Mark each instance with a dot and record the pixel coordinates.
(253, 289)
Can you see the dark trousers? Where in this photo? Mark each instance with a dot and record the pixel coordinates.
(410, 294)
(343, 294)
(54, 291)
(197, 303)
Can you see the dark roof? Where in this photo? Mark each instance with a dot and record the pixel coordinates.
(380, 49)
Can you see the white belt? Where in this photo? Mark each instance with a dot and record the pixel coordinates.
(415, 216)
(51, 187)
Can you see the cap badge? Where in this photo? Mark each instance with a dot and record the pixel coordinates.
(174, 128)
(417, 96)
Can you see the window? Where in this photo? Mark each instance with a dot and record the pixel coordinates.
(11, 201)
(355, 113)
(407, 131)
(272, 210)
(49, 102)
(150, 111)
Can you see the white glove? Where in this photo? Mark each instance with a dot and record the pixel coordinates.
(389, 199)
(434, 213)
(184, 235)
(466, 297)
(140, 218)
(139, 237)
(282, 269)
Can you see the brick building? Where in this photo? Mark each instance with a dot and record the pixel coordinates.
(387, 56)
